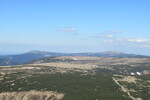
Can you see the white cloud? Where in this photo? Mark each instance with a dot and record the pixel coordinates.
(138, 40)
(106, 36)
(133, 40)
(109, 36)
(145, 45)
(69, 29)
(111, 32)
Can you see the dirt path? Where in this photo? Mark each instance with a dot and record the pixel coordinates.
(124, 89)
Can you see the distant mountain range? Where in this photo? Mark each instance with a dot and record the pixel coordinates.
(33, 55)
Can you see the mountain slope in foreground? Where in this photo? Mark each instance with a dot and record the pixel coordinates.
(80, 78)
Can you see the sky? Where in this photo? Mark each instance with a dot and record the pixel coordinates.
(75, 26)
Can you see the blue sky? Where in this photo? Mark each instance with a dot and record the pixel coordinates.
(75, 26)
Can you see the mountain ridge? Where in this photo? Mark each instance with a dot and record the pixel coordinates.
(35, 54)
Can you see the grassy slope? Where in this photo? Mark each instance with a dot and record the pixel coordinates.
(75, 86)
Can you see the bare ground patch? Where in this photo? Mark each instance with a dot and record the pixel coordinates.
(67, 65)
(31, 95)
(128, 79)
